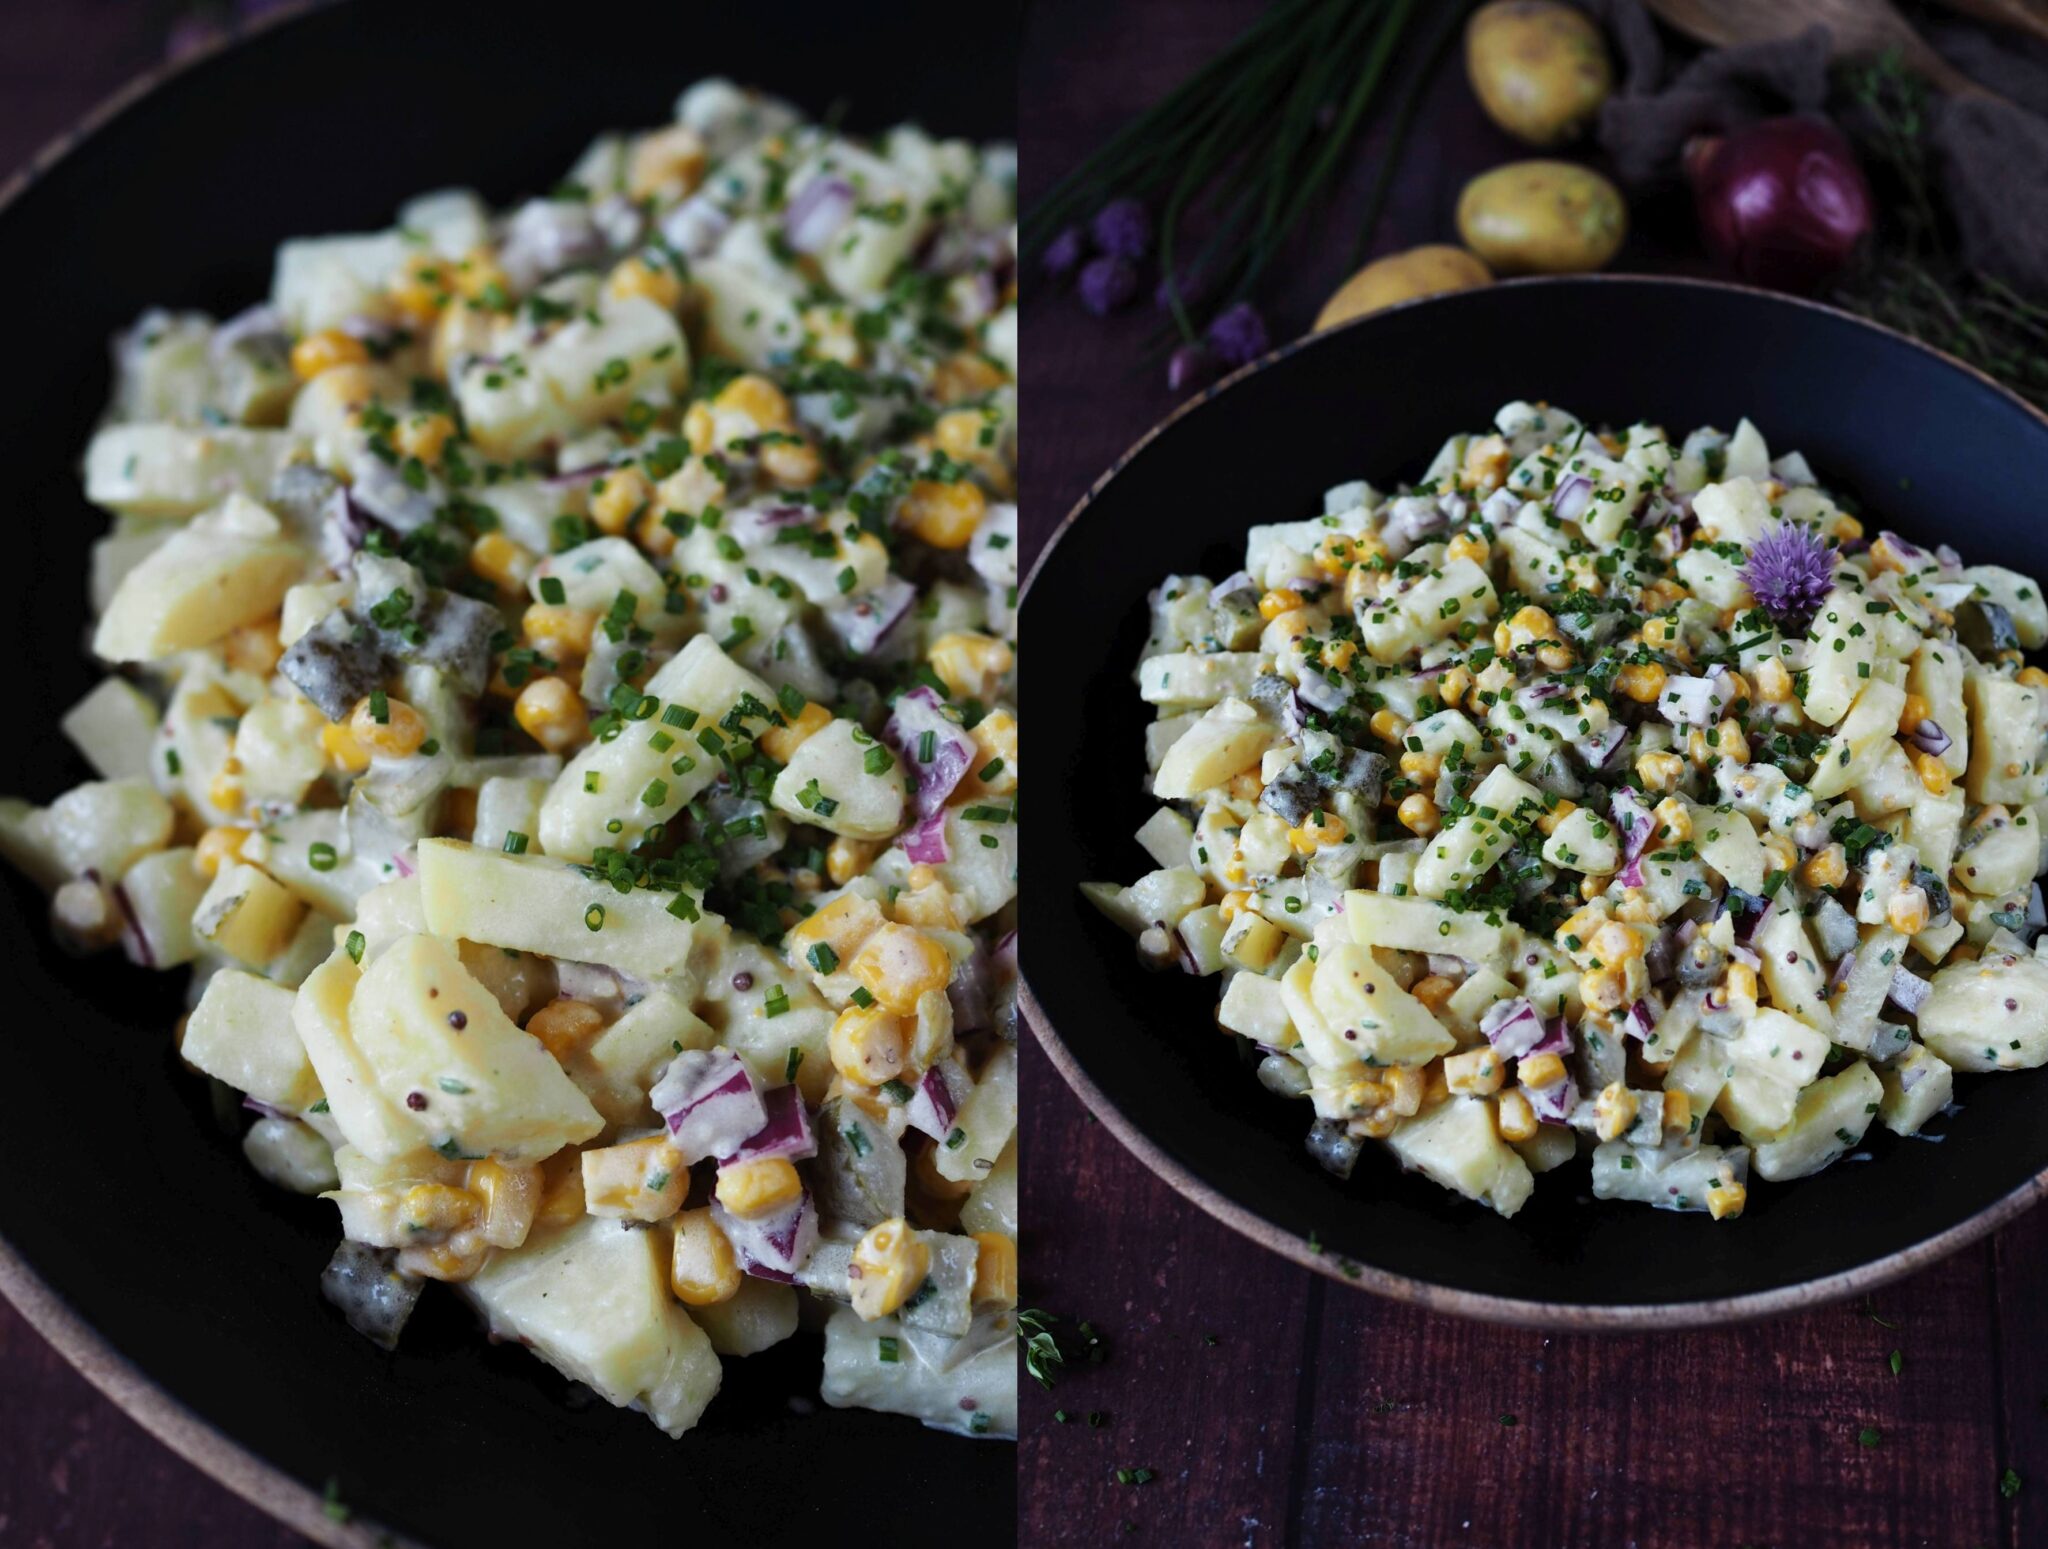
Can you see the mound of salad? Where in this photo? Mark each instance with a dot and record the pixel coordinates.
(562, 710)
(1602, 793)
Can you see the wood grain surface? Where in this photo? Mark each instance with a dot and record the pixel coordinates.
(1276, 1407)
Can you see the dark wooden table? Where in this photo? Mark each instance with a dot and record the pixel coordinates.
(1321, 1415)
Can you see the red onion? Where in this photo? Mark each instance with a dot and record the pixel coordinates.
(1782, 202)
(926, 843)
(1572, 498)
(815, 215)
(1928, 737)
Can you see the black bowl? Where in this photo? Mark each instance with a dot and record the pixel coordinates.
(1930, 449)
(133, 1232)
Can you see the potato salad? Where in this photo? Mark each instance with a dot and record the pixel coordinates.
(562, 709)
(1602, 793)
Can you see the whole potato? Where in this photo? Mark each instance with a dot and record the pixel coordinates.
(1542, 217)
(1421, 271)
(1539, 68)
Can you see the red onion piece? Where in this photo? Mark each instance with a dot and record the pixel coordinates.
(709, 1102)
(915, 716)
(1781, 202)
(862, 623)
(1909, 990)
(926, 843)
(787, 1132)
(938, 1098)
(1640, 1021)
(1637, 827)
(1557, 1038)
(1573, 495)
(1512, 1027)
(815, 215)
(1928, 737)
(773, 1247)
(1553, 1104)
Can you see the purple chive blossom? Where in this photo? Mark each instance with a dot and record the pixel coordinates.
(1189, 366)
(1108, 283)
(1064, 253)
(1123, 229)
(1238, 334)
(1790, 572)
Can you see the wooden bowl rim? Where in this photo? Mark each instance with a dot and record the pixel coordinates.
(1567, 1317)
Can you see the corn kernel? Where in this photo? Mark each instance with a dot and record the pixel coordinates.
(1614, 943)
(700, 428)
(1434, 991)
(1933, 773)
(422, 288)
(398, 735)
(1387, 726)
(995, 1269)
(1338, 655)
(342, 749)
(897, 964)
(1678, 1111)
(1537, 1070)
(1908, 911)
(456, 1259)
(1486, 462)
(759, 399)
(703, 1270)
(1475, 1073)
(561, 1190)
(847, 858)
(1884, 555)
(1916, 710)
(1602, 989)
(1468, 546)
(844, 925)
(1422, 767)
(1514, 1116)
(1739, 983)
(1361, 584)
(1829, 868)
(438, 1207)
(668, 163)
(552, 713)
(959, 434)
(559, 631)
(1316, 831)
(254, 648)
(623, 494)
(964, 375)
(889, 1263)
(425, 436)
(1660, 771)
(503, 563)
(1614, 1110)
(565, 1027)
(1674, 819)
(217, 847)
(1281, 599)
(970, 665)
(1773, 681)
(795, 464)
(639, 1180)
(1558, 658)
(1642, 682)
(511, 1196)
(781, 742)
(758, 1188)
(1418, 814)
(1726, 1197)
(637, 277)
(330, 347)
(2032, 677)
(1547, 821)
(1333, 555)
(868, 1046)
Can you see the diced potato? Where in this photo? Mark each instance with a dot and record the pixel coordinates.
(594, 1303)
(984, 1124)
(2002, 859)
(1733, 511)
(1167, 837)
(1827, 1122)
(179, 470)
(1792, 969)
(2019, 595)
(583, 374)
(1773, 1058)
(1848, 756)
(1460, 855)
(843, 780)
(760, 1315)
(1200, 678)
(1727, 842)
(1584, 841)
(1455, 1144)
(1917, 1086)
(1845, 646)
(980, 869)
(163, 892)
(1988, 1014)
(1421, 925)
(880, 1365)
(1863, 994)
(1157, 898)
(1225, 742)
(370, 1122)
(241, 1032)
(106, 826)
(2005, 736)
(247, 915)
(1368, 1015)
(666, 759)
(1253, 1006)
(226, 569)
(623, 1062)
(443, 1052)
(1936, 675)
(533, 903)
(992, 1205)
(290, 1155)
(114, 726)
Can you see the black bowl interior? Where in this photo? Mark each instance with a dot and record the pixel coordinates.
(125, 1191)
(1927, 448)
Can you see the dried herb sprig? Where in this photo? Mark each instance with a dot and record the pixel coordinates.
(1915, 278)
